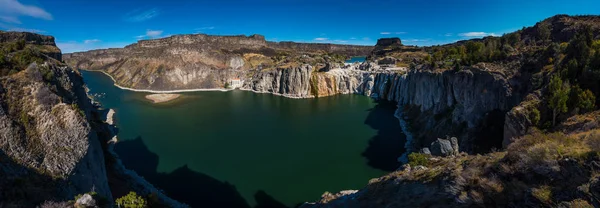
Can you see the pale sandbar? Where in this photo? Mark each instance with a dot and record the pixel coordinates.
(161, 98)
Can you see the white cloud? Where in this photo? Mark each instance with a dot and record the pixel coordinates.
(321, 39)
(151, 34)
(389, 33)
(206, 28)
(352, 38)
(7, 19)
(74, 46)
(340, 41)
(415, 40)
(476, 34)
(18, 29)
(11, 10)
(139, 15)
(448, 34)
(91, 41)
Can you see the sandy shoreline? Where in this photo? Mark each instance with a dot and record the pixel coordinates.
(161, 98)
(159, 91)
(199, 90)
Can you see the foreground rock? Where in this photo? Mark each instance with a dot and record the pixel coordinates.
(53, 141)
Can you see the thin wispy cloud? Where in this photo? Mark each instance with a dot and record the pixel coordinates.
(91, 41)
(206, 28)
(11, 10)
(448, 34)
(340, 41)
(389, 33)
(321, 39)
(414, 40)
(154, 33)
(12, 20)
(86, 45)
(20, 29)
(140, 15)
(476, 34)
(352, 38)
(150, 34)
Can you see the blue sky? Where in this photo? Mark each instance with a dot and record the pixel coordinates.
(80, 25)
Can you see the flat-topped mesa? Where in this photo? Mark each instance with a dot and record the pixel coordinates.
(385, 42)
(226, 42)
(347, 50)
(44, 43)
(29, 38)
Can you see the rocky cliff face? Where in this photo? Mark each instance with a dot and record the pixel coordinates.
(53, 140)
(437, 103)
(42, 43)
(46, 140)
(204, 61)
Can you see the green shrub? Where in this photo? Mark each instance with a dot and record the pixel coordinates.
(543, 193)
(131, 200)
(586, 100)
(416, 159)
(534, 116)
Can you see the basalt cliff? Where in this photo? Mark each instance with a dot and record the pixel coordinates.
(54, 141)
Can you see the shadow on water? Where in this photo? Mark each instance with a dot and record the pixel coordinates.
(184, 184)
(385, 147)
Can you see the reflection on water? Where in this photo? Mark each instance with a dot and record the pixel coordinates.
(245, 149)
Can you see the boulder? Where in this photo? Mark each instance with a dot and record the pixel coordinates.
(454, 143)
(425, 150)
(445, 147)
(85, 201)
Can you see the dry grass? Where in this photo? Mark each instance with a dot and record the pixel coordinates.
(543, 193)
(539, 148)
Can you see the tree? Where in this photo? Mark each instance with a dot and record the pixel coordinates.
(586, 100)
(131, 200)
(544, 32)
(558, 96)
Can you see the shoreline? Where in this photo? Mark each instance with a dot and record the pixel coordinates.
(162, 98)
(209, 90)
(159, 91)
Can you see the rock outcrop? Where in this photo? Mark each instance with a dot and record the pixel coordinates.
(53, 142)
(46, 132)
(444, 147)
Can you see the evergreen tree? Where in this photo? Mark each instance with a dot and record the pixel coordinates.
(558, 96)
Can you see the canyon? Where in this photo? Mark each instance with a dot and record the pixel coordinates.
(464, 97)
(492, 98)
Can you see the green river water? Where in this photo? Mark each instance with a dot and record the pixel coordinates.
(243, 149)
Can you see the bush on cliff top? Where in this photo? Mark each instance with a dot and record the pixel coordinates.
(416, 159)
(131, 200)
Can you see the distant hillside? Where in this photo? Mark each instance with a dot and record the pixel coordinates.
(205, 61)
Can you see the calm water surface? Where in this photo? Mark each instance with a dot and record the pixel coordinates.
(359, 59)
(242, 149)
